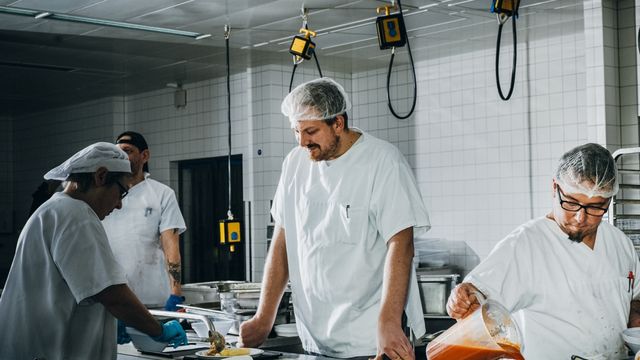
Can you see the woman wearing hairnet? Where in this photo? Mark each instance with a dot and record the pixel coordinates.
(345, 210)
(567, 276)
(64, 286)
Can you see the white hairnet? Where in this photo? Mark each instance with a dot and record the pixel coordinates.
(318, 99)
(588, 169)
(89, 159)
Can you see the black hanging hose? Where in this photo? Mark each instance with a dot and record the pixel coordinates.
(515, 56)
(226, 41)
(293, 72)
(295, 65)
(413, 70)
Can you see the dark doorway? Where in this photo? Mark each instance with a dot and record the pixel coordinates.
(204, 197)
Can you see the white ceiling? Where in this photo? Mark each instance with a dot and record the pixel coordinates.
(47, 63)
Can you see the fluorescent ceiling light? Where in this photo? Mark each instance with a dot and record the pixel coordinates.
(460, 2)
(38, 14)
(42, 15)
(536, 4)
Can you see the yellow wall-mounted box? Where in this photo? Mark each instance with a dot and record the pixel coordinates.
(230, 231)
(391, 31)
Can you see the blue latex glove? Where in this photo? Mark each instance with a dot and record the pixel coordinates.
(173, 334)
(172, 301)
(123, 336)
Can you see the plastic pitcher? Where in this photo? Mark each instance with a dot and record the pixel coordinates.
(488, 333)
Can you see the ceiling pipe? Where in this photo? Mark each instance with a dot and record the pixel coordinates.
(40, 14)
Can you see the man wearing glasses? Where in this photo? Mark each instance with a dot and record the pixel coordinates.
(567, 277)
(65, 288)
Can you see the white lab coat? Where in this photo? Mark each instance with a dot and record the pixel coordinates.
(62, 259)
(134, 234)
(568, 299)
(337, 217)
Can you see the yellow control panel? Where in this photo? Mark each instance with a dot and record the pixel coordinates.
(391, 32)
(230, 231)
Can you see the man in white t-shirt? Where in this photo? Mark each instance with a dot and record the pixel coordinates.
(145, 234)
(568, 277)
(345, 212)
(65, 289)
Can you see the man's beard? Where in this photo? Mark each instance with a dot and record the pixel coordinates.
(327, 153)
(576, 236)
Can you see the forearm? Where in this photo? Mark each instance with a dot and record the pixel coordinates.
(276, 276)
(122, 303)
(634, 314)
(397, 270)
(171, 246)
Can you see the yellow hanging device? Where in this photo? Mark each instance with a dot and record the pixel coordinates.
(229, 228)
(229, 231)
(391, 30)
(302, 46)
(505, 8)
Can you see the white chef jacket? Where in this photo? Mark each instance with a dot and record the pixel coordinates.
(568, 299)
(62, 259)
(134, 234)
(337, 218)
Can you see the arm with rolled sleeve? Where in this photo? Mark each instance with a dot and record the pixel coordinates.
(391, 338)
(171, 226)
(398, 209)
(276, 275)
(171, 247)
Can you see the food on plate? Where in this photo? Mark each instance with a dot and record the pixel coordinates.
(229, 352)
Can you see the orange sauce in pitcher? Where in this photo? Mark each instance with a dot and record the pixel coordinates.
(442, 351)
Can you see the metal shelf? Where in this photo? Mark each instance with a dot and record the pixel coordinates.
(630, 186)
(627, 216)
(628, 223)
(436, 316)
(626, 201)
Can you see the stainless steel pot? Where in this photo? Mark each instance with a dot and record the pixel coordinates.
(434, 292)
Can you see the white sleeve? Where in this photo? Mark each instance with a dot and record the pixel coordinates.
(504, 275)
(396, 201)
(84, 258)
(171, 216)
(277, 208)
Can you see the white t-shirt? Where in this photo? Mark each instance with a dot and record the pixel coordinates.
(134, 234)
(570, 300)
(337, 219)
(62, 259)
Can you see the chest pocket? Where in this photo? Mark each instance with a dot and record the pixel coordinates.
(145, 219)
(331, 222)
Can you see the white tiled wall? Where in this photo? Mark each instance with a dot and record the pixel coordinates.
(44, 140)
(484, 166)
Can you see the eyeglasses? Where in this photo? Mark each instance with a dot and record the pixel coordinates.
(123, 190)
(575, 207)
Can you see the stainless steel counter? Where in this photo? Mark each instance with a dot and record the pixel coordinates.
(288, 345)
(128, 352)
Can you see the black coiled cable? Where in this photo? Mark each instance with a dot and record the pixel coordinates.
(515, 56)
(413, 70)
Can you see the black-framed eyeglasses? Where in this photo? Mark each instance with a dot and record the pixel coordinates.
(123, 190)
(575, 207)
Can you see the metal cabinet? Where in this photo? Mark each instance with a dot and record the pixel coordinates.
(624, 211)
